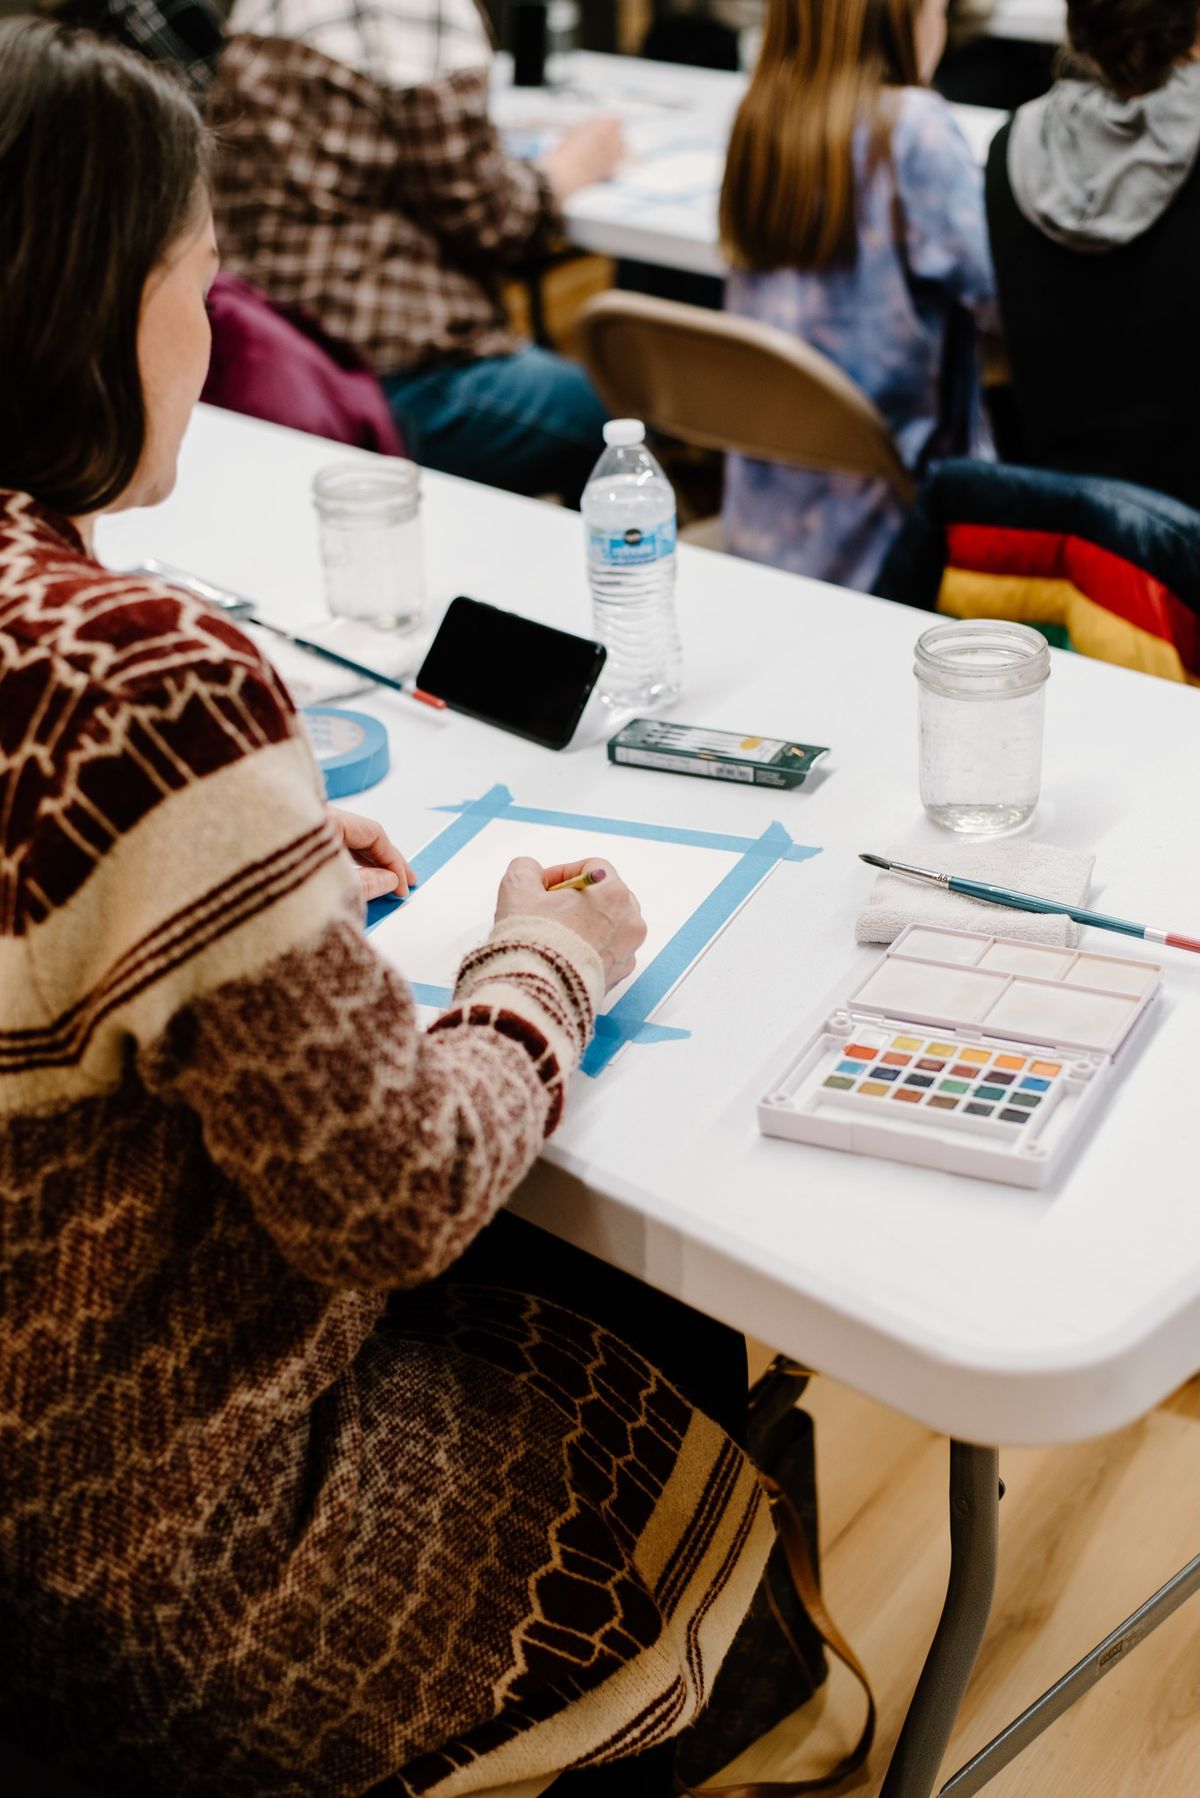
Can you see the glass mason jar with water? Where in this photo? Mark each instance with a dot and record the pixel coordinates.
(371, 551)
(982, 687)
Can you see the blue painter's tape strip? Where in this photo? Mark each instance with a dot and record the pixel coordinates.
(473, 817)
(437, 996)
(379, 909)
(629, 1015)
(654, 833)
(448, 842)
(607, 1026)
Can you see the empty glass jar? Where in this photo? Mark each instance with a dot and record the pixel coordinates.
(982, 687)
(371, 549)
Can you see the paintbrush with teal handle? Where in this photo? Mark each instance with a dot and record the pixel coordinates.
(993, 895)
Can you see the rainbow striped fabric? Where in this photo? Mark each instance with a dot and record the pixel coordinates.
(1106, 568)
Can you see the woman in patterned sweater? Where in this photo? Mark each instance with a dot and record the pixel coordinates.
(296, 1498)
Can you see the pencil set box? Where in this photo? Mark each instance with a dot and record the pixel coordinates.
(713, 754)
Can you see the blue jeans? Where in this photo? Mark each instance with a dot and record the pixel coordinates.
(530, 422)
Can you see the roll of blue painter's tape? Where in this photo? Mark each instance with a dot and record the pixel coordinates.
(351, 749)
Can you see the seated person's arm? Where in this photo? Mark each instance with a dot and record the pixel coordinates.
(454, 176)
(942, 206)
(371, 1150)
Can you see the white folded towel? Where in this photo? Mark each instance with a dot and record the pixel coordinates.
(311, 680)
(1038, 868)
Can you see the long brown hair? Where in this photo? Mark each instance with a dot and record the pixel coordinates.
(103, 164)
(789, 197)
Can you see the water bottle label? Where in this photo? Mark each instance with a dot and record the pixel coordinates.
(632, 548)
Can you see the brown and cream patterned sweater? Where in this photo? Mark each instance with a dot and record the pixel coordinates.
(276, 1516)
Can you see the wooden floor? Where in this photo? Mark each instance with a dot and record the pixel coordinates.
(1087, 1533)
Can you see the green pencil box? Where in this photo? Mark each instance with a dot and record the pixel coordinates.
(713, 754)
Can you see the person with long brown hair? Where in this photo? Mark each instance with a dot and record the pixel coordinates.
(314, 1478)
(852, 216)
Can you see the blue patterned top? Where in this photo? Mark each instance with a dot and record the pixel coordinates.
(903, 333)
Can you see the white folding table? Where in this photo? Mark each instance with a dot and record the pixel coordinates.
(989, 1313)
(1028, 21)
(661, 205)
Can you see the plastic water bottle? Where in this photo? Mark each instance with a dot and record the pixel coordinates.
(629, 517)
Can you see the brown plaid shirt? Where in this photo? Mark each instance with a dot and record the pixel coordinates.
(392, 215)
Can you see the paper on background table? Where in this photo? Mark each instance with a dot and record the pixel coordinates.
(683, 172)
(452, 912)
(652, 172)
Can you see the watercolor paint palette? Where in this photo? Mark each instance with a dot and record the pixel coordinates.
(968, 1052)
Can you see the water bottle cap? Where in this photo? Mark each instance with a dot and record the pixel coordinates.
(619, 433)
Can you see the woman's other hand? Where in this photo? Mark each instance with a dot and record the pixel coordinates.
(587, 152)
(381, 867)
(606, 915)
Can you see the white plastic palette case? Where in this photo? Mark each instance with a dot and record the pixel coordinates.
(967, 1052)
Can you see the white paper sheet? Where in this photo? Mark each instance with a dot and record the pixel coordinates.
(426, 938)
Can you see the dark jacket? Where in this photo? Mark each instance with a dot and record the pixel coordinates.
(1104, 348)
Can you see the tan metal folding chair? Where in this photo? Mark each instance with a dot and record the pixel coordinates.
(729, 383)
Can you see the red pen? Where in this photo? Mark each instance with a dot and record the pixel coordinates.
(435, 709)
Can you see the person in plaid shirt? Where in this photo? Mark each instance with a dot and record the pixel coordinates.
(358, 175)
(186, 34)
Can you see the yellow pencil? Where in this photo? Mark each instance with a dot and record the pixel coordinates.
(581, 882)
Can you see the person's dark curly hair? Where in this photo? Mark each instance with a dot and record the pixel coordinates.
(1132, 45)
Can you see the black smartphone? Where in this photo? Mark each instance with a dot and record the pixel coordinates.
(507, 670)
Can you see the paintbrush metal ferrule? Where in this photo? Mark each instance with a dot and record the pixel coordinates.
(934, 879)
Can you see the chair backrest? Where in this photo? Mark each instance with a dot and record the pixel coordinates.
(730, 383)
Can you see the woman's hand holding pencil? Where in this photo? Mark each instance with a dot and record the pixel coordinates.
(588, 897)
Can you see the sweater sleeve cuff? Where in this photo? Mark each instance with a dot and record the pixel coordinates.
(542, 972)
